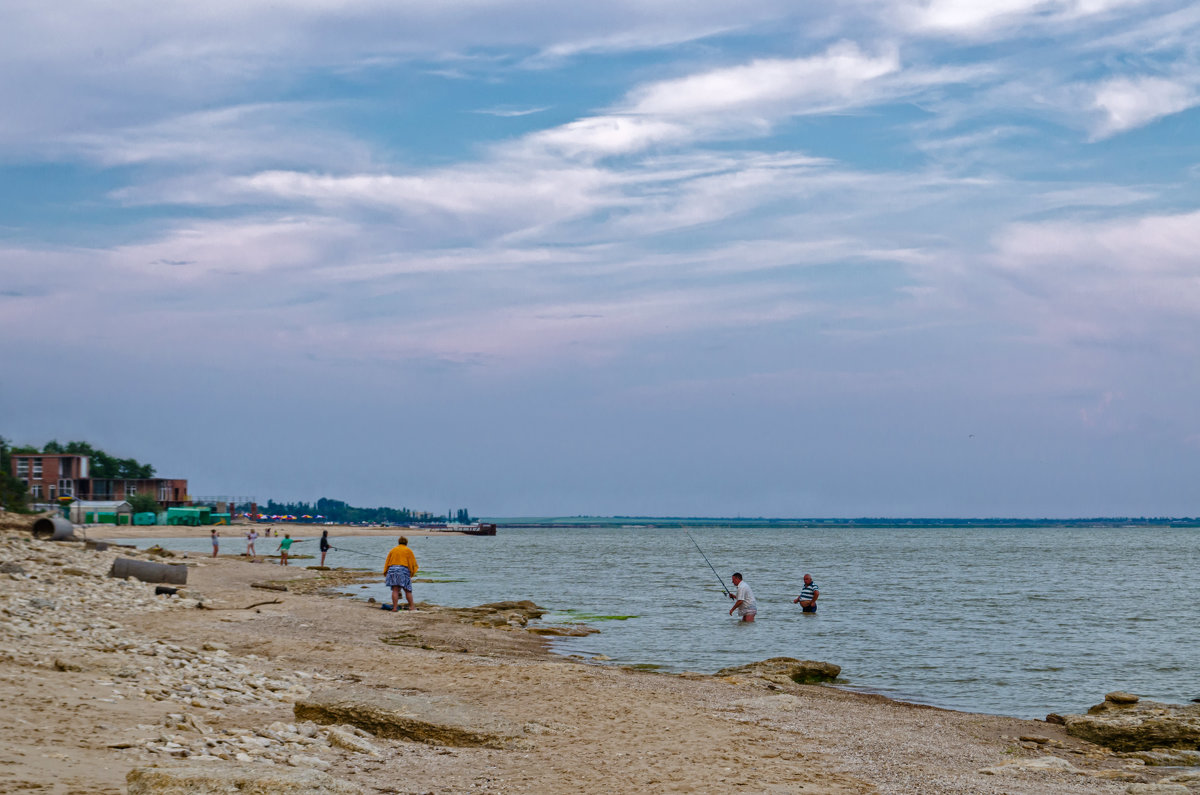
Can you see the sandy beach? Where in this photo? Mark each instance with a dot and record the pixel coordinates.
(100, 678)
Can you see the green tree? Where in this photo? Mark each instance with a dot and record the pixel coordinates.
(144, 503)
(14, 496)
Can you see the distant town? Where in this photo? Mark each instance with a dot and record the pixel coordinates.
(91, 486)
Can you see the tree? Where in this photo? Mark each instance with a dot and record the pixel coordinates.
(143, 503)
(14, 496)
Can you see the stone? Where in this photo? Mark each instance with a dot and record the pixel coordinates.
(802, 672)
(1043, 763)
(1166, 757)
(438, 720)
(1157, 789)
(1121, 697)
(234, 779)
(11, 567)
(344, 739)
(1142, 726)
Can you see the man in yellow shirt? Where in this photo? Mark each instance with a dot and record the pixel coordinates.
(398, 571)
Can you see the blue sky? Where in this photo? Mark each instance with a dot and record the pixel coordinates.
(885, 257)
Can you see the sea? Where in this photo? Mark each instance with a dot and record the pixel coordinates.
(1019, 621)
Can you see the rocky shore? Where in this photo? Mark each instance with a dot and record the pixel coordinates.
(221, 687)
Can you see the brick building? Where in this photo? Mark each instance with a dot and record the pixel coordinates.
(50, 476)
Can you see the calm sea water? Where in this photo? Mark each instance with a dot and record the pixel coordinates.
(1012, 621)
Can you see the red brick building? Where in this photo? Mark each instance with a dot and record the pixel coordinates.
(50, 476)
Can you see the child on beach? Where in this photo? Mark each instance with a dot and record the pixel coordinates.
(216, 541)
(284, 546)
(251, 537)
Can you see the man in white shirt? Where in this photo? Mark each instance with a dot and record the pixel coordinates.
(744, 602)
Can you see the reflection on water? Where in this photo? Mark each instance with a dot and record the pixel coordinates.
(1016, 621)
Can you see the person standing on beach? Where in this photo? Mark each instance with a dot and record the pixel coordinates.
(324, 545)
(285, 545)
(744, 602)
(808, 596)
(251, 537)
(398, 571)
(216, 539)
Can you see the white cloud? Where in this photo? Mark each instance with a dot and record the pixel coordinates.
(768, 88)
(1126, 278)
(1130, 102)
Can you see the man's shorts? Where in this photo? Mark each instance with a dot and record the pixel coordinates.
(398, 577)
(812, 609)
(743, 612)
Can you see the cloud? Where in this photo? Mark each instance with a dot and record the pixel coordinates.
(1125, 278)
(1130, 102)
(509, 113)
(768, 88)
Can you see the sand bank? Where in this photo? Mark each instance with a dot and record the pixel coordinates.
(100, 676)
(238, 531)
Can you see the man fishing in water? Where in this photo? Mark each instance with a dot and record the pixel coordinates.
(743, 600)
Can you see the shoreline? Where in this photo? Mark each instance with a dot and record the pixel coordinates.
(164, 683)
(232, 533)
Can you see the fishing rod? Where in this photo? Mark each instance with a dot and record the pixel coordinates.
(709, 562)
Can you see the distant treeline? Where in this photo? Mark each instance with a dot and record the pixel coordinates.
(342, 513)
(101, 464)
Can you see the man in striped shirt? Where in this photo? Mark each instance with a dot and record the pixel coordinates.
(808, 597)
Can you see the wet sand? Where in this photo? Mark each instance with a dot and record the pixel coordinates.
(99, 676)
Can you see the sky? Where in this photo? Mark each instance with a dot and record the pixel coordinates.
(859, 258)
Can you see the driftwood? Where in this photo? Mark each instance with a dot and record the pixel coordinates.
(268, 586)
(247, 607)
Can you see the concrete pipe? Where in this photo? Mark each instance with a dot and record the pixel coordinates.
(146, 571)
(55, 528)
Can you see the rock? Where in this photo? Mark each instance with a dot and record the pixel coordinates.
(565, 632)
(1141, 726)
(9, 567)
(1055, 718)
(268, 586)
(1121, 697)
(1183, 778)
(234, 779)
(1157, 789)
(802, 672)
(1116, 775)
(438, 720)
(1047, 763)
(308, 760)
(1166, 757)
(74, 572)
(343, 739)
(1034, 738)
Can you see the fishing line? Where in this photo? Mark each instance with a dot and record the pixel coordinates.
(353, 552)
(709, 562)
